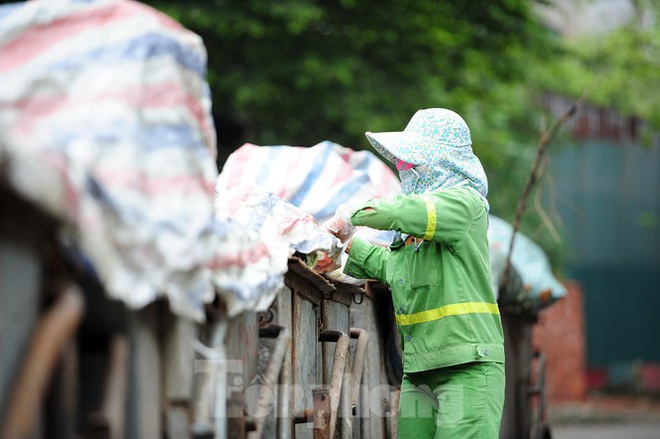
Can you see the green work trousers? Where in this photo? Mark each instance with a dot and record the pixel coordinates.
(462, 402)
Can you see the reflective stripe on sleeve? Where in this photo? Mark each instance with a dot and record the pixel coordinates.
(431, 219)
(448, 310)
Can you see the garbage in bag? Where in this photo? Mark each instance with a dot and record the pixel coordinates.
(538, 286)
(280, 224)
(106, 125)
(317, 180)
(248, 271)
(321, 178)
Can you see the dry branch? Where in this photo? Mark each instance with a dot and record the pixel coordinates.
(546, 137)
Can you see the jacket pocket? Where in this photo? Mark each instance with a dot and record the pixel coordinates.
(423, 265)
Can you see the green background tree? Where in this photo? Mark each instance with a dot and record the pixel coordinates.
(296, 72)
(299, 72)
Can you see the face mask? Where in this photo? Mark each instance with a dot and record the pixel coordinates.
(409, 179)
(403, 166)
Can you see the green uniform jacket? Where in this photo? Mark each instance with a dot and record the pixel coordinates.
(445, 309)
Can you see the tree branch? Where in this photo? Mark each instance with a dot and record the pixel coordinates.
(546, 137)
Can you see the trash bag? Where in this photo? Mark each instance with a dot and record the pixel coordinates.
(532, 284)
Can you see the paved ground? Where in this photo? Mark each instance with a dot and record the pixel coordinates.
(605, 431)
(606, 417)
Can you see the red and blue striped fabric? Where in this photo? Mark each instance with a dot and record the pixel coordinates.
(105, 123)
(316, 179)
(320, 178)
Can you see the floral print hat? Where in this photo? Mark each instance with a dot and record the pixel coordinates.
(437, 142)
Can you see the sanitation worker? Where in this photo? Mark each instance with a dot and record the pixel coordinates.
(438, 271)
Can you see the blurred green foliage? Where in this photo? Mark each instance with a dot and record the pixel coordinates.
(620, 70)
(296, 72)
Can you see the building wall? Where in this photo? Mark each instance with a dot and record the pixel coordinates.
(559, 335)
(573, 18)
(608, 197)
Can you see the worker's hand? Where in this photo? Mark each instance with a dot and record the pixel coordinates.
(340, 224)
(347, 246)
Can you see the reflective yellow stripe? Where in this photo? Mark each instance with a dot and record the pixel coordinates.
(431, 219)
(447, 310)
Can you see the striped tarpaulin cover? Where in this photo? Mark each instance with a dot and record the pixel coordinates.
(320, 178)
(317, 179)
(105, 123)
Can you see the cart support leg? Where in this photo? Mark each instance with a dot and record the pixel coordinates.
(53, 332)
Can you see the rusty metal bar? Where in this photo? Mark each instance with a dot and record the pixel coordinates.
(539, 391)
(331, 335)
(390, 421)
(236, 421)
(109, 422)
(210, 411)
(270, 330)
(53, 332)
(271, 378)
(303, 417)
(284, 425)
(345, 408)
(322, 413)
(362, 337)
(63, 400)
(338, 367)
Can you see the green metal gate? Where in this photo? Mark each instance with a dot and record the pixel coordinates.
(608, 196)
